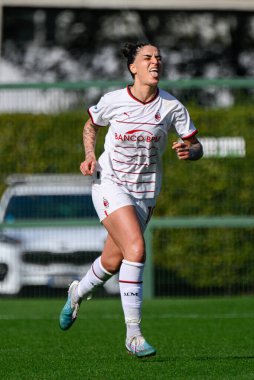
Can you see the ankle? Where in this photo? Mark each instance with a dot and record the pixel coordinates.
(76, 296)
(133, 329)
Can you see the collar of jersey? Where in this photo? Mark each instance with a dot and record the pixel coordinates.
(133, 97)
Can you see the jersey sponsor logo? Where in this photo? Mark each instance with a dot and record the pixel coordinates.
(131, 136)
(157, 116)
(138, 130)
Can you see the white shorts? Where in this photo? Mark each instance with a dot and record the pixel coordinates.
(108, 197)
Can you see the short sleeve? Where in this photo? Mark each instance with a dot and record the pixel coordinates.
(183, 123)
(100, 113)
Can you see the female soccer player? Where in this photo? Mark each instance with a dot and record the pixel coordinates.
(127, 181)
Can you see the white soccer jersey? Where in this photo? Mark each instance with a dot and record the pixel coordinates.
(137, 137)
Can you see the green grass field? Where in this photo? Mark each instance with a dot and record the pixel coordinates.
(195, 338)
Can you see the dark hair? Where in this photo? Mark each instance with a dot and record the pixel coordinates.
(130, 51)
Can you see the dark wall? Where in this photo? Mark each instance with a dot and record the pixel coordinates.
(69, 44)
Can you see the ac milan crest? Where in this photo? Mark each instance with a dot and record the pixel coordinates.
(105, 203)
(157, 116)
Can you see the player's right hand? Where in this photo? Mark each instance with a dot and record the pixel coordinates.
(87, 167)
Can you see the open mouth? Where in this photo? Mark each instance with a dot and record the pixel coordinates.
(154, 73)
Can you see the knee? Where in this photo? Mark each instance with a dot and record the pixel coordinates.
(136, 251)
(111, 265)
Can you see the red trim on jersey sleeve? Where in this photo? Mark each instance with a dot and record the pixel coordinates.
(91, 116)
(192, 134)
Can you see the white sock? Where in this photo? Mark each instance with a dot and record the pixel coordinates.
(131, 289)
(97, 275)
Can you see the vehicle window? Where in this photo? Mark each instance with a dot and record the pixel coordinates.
(49, 207)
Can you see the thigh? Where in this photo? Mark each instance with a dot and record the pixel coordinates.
(144, 209)
(125, 230)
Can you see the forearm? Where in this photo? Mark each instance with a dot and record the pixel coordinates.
(88, 166)
(196, 151)
(89, 137)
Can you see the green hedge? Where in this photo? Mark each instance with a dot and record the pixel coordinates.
(209, 260)
(205, 260)
(53, 144)
(211, 186)
(215, 186)
(40, 143)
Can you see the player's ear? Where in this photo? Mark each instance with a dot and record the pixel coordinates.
(133, 69)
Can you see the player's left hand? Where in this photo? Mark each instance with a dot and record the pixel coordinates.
(182, 150)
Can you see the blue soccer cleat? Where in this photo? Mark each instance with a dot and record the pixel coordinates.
(69, 312)
(138, 346)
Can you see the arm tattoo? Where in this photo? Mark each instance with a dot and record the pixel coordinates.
(89, 136)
